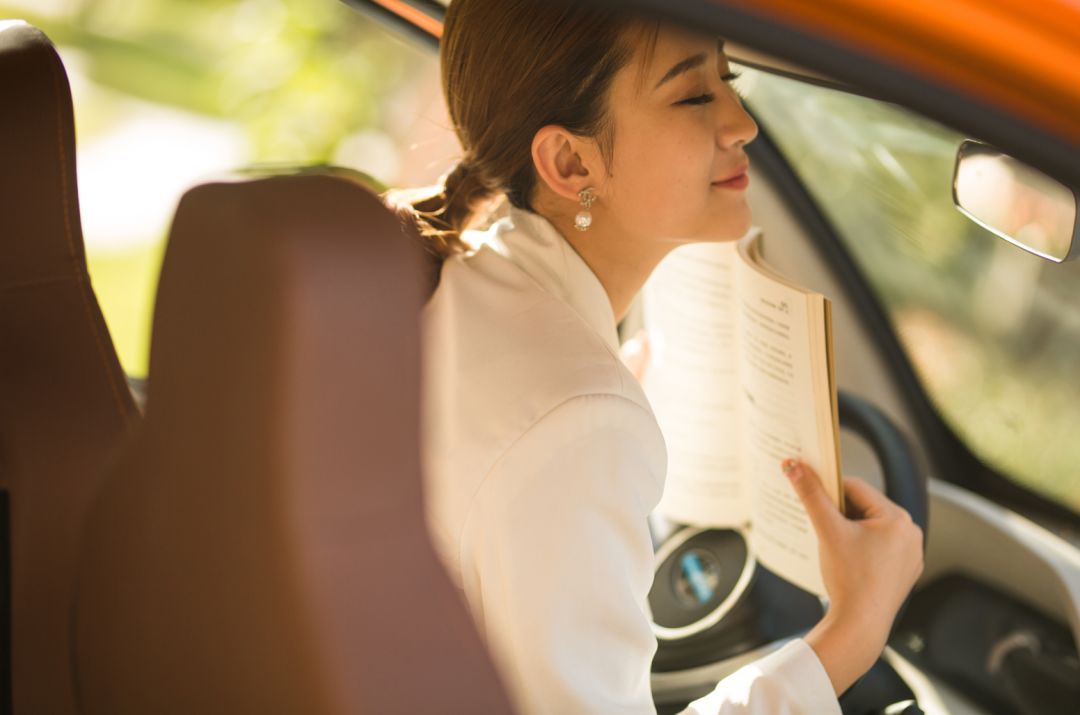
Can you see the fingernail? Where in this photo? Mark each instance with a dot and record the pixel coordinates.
(791, 468)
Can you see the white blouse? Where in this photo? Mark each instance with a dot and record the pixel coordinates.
(543, 460)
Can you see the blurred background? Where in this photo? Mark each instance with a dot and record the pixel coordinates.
(169, 93)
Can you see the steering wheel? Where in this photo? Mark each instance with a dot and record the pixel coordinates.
(711, 601)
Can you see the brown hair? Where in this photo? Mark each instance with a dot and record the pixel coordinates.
(509, 68)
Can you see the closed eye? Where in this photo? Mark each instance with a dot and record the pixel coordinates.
(730, 78)
(709, 96)
(700, 99)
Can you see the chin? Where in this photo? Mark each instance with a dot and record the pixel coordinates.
(728, 223)
(719, 231)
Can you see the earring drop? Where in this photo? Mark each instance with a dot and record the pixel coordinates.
(584, 219)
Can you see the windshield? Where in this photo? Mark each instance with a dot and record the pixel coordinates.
(992, 331)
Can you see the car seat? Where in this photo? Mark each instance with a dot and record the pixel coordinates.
(262, 548)
(64, 403)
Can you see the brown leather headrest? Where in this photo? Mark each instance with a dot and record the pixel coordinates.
(263, 547)
(42, 236)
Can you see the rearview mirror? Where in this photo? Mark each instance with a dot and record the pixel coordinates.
(1016, 202)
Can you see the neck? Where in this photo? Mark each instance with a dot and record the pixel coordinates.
(621, 262)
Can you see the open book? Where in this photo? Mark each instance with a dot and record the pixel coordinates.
(742, 377)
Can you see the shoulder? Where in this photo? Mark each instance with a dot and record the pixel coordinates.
(588, 442)
(516, 345)
(520, 390)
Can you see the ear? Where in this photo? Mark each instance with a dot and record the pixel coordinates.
(563, 161)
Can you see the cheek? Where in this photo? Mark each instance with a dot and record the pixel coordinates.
(662, 174)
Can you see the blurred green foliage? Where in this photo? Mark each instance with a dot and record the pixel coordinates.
(298, 75)
(993, 332)
(295, 76)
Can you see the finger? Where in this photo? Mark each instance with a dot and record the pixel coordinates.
(819, 507)
(864, 499)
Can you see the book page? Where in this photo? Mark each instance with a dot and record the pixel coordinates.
(780, 327)
(692, 383)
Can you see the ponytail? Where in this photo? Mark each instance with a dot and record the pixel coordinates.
(443, 212)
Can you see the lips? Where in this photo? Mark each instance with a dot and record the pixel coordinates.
(739, 173)
(737, 180)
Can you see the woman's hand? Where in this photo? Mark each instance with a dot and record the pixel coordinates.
(870, 560)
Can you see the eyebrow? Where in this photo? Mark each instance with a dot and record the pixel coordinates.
(686, 65)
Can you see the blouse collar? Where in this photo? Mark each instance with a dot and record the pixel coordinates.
(532, 243)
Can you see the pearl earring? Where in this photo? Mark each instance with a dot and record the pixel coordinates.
(584, 219)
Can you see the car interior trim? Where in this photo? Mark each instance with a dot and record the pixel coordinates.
(724, 607)
(419, 19)
(933, 696)
(1017, 552)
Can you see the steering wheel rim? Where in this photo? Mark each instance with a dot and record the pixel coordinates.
(905, 482)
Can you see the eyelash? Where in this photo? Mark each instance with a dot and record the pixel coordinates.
(706, 98)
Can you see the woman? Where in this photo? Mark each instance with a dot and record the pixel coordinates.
(614, 140)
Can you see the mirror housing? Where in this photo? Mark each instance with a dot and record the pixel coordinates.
(1017, 202)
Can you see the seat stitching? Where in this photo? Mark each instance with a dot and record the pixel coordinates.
(34, 283)
(81, 275)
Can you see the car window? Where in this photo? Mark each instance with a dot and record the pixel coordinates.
(169, 93)
(993, 332)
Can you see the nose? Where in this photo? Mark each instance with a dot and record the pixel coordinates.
(736, 126)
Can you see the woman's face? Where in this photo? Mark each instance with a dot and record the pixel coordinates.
(679, 132)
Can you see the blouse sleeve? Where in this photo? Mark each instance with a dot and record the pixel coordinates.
(557, 562)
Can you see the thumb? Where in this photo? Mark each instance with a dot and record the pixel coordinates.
(865, 501)
(807, 485)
